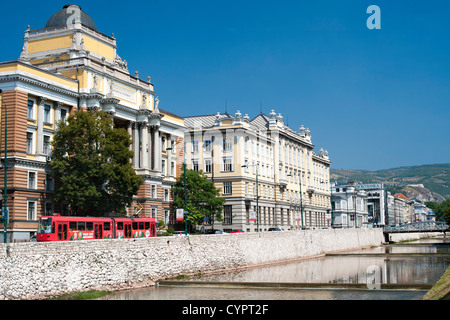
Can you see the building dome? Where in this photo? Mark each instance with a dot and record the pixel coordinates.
(68, 11)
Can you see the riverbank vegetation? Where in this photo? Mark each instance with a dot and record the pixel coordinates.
(441, 290)
(87, 295)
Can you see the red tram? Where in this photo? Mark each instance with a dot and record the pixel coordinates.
(66, 228)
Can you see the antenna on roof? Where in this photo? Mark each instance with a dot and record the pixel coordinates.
(226, 106)
(260, 107)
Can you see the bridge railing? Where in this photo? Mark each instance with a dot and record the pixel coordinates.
(419, 226)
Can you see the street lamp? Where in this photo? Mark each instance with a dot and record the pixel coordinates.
(185, 194)
(257, 195)
(331, 204)
(5, 197)
(301, 197)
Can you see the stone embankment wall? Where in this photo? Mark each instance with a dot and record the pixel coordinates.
(37, 270)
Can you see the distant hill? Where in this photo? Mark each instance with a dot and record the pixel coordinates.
(432, 181)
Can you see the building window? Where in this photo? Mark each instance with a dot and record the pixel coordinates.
(153, 191)
(163, 167)
(31, 215)
(166, 216)
(30, 142)
(153, 213)
(227, 164)
(208, 166)
(195, 146)
(31, 180)
(63, 115)
(207, 145)
(49, 183)
(48, 208)
(166, 194)
(47, 146)
(227, 215)
(172, 168)
(246, 165)
(47, 115)
(195, 164)
(227, 144)
(227, 187)
(30, 113)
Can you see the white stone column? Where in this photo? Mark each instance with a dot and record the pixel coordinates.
(135, 144)
(144, 147)
(158, 155)
(57, 114)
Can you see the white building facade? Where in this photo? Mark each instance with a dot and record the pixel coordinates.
(268, 173)
(350, 207)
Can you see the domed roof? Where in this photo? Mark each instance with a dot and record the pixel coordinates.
(69, 11)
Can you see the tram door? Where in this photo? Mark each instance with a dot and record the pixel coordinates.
(62, 231)
(98, 231)
(127, 233)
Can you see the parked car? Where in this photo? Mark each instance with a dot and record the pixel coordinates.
(180, 233)
(33, 238)
(237, 231)
(274, 229)
(213, 231)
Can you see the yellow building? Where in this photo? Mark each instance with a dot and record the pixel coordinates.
(69, 65)
(263, 157)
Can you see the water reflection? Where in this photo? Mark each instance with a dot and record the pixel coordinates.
(342, 269)
(424, 268)
(194, 293)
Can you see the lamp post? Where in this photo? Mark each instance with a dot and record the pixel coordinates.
(257, 195)
(331, 204)
(301, 197)
(5, 196)
(185, 194)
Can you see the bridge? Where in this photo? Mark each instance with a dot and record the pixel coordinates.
(420, 226)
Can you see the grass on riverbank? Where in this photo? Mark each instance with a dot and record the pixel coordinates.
(87, 295)
(441, 290)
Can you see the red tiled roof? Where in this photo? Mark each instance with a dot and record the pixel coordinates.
(400, 195)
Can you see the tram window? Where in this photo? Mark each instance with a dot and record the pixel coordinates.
(89, 226)
(135, 225)
(106, 226)
(72, 225)
(81, 226)
(119, 225)
(147, 225)
(141, 225)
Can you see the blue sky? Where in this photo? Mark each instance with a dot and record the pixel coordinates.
(375, 99)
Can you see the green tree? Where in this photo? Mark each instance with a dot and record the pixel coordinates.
(91, 165)
(202, 197)
(441, 210)
(445, 205)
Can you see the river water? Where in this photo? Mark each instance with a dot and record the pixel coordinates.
(418, 262)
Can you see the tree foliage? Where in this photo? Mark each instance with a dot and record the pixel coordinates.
(91, 165)
(202, 197)
(441, 210)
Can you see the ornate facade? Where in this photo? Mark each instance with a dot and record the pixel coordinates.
(261, 159)
(69, 65)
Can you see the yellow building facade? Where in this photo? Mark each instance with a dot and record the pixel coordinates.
(69, 65)
(261, 159)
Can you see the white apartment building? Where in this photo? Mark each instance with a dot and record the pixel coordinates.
(350, 207)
